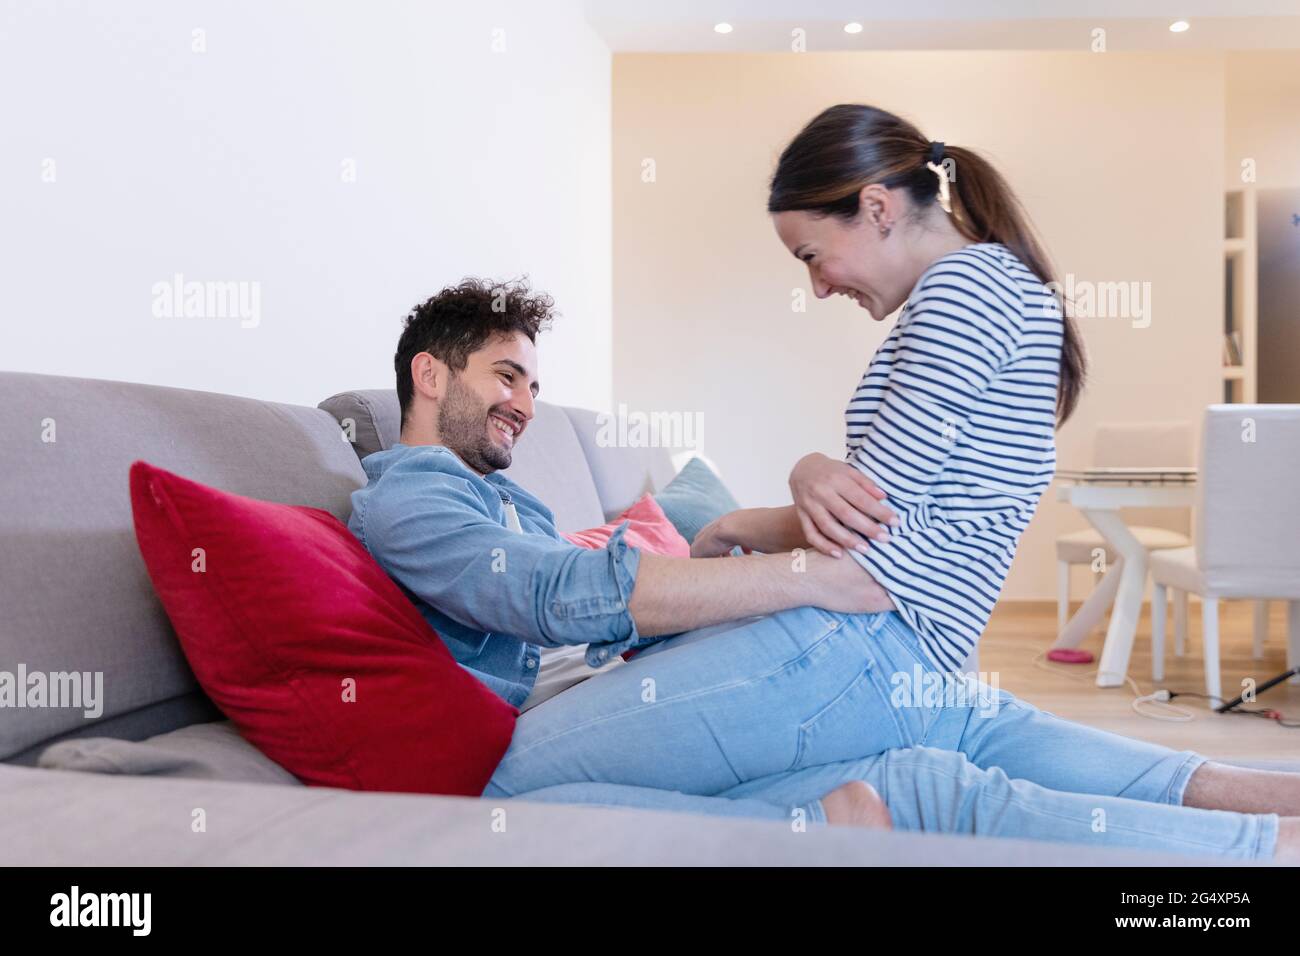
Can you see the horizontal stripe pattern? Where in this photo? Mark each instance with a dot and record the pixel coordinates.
(956, 420)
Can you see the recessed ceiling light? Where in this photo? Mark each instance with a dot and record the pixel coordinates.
(1179, 26)
(722, 28)
(853, 27)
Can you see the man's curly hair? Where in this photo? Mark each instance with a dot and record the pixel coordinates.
(461, 319)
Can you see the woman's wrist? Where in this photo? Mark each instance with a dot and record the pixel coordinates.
(770, 530)
(732, 528)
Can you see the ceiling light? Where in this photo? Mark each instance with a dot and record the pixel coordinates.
(722, 28)
(853, 27)
(1179, 26)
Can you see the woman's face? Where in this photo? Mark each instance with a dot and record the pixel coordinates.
(851, 257)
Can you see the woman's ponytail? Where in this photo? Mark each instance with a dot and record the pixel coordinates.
(984, 209)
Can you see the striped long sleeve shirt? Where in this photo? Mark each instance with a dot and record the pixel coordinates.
(955, 419)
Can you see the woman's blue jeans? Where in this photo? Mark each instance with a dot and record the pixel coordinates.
(762, 717)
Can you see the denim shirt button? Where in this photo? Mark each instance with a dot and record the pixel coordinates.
(530, 663)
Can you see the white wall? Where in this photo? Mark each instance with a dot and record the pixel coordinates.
(228, 165)
(1118, 158)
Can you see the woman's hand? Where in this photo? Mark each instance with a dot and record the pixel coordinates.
(834, 500)
(717, 538)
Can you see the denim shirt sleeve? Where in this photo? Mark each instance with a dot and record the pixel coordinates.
(436, 535)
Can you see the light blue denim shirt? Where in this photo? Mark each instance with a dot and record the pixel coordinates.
(493, 595)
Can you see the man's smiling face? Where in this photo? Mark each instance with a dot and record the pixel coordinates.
(486, 406)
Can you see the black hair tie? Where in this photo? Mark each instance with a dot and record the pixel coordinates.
(936, 152)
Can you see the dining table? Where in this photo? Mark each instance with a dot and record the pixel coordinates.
(1100, 494)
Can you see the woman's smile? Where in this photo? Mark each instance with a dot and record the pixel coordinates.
(859, 297)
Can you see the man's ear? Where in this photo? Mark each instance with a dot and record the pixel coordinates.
(429, 376)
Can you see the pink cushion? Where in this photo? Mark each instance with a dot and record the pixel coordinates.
(303, 641)
(649, 529)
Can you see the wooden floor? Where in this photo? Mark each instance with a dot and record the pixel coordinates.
(1019, 631)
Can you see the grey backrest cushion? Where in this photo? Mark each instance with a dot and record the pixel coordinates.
(74, 593)
(209, 751)
(621, 474)
(549, 460)
(370, 418)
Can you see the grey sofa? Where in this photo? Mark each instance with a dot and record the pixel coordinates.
(74, 595)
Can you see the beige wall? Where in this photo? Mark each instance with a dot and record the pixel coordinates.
(1263, 117)
(1118, 157)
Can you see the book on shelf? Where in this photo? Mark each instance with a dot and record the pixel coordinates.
(1232, 347)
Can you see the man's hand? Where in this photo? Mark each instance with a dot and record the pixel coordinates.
(844, 585)
(833, 500)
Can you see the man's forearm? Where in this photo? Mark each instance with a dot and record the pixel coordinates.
(679, 594)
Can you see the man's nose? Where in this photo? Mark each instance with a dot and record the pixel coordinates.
(523, 405)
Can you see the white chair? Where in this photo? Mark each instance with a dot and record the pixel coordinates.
(1247, 532)
(1139, 445)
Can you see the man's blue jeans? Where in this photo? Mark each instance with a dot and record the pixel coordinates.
(762, 717)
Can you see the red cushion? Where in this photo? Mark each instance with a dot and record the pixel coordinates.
(288, 612)
(649, 529)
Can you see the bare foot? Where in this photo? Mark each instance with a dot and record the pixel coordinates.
(856, 804)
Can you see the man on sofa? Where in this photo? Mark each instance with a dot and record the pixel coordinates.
(481, 557)
(762, 686)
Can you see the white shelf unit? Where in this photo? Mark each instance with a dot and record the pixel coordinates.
(1241, 291)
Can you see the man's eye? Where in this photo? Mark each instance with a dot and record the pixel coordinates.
(507, 377)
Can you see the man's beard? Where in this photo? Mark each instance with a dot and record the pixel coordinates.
(463, 427)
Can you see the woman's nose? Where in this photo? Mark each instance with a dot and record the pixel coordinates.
(820, 289)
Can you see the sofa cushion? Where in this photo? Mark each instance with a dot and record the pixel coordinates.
(211, 751)
(622, 472)
(73, 593)
(371, 418)
(303, 641)
(694, 498)
(648, 528)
